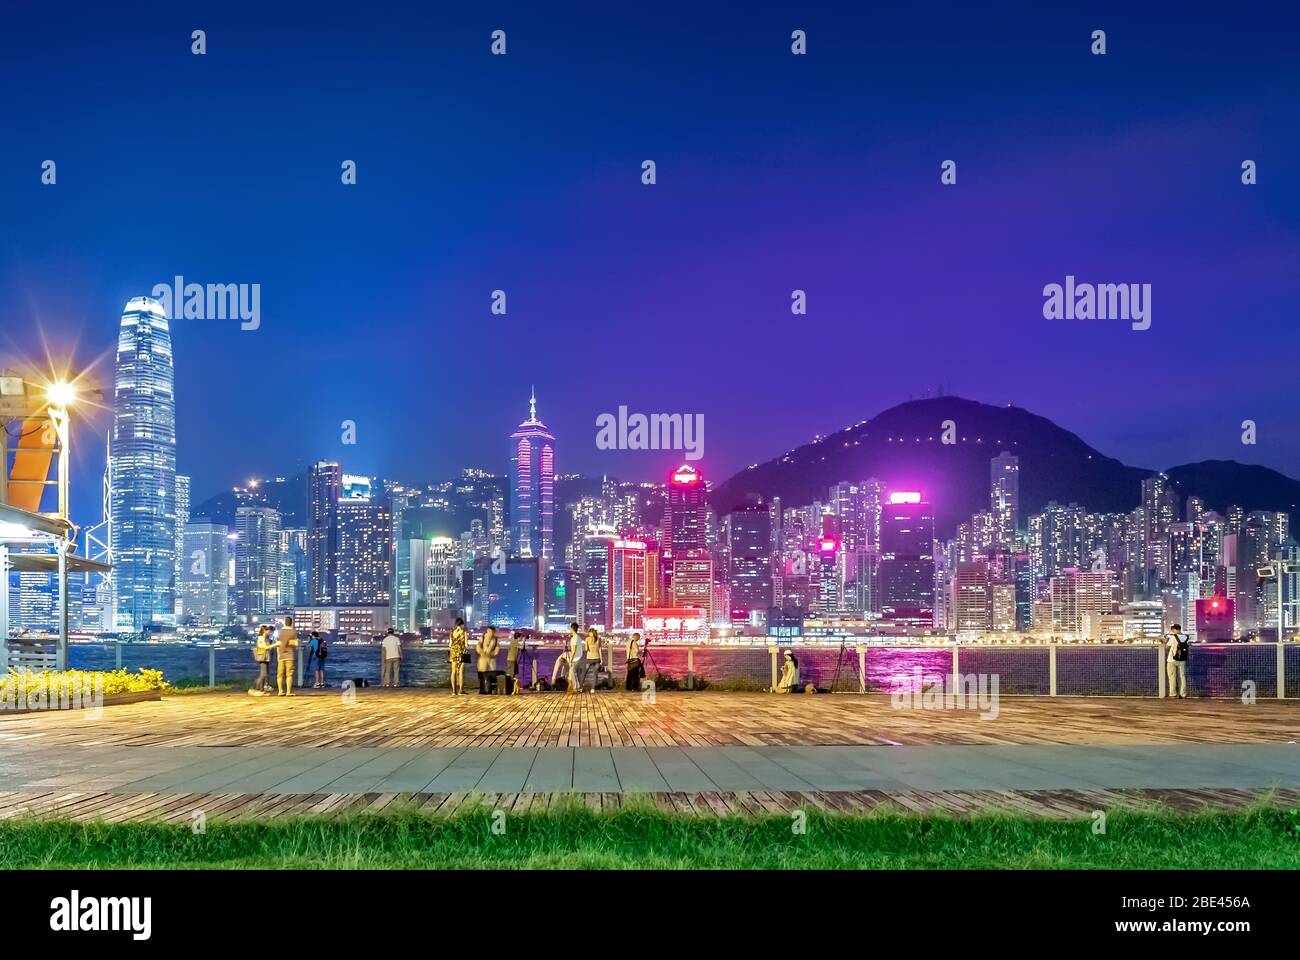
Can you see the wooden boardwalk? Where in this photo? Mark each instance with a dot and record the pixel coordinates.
(182, 808)
(234, 756)
(429, 718)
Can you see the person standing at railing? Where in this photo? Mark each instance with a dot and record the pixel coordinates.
(458, 655)
(262, 657)
(1176, 649)
(286, 657)
(575, 657)
(390, 674)
(592, 660)
(487, 649)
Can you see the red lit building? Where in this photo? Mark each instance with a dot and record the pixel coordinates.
(627, 584)
(1214, 619)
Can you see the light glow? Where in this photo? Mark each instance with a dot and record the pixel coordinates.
(61, 394)
(905, 496)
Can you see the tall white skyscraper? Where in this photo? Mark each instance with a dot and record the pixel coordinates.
(1004, 499)
(142, 451)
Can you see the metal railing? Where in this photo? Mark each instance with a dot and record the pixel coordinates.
(1265, 670)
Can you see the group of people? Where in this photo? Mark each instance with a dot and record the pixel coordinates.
(580, 662)
(284, 643)
(486, 651)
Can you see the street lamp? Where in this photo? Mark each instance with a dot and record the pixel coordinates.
(1273, 570)
(61, 394)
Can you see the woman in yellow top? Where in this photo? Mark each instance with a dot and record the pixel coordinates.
(262, 657)
(457, 647)
(591, 665)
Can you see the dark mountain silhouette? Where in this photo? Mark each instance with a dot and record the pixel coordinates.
(1222, 483)
(902, 446)
(287, 496)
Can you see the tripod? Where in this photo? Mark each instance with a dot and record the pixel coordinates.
(839, 663)
(647, 658)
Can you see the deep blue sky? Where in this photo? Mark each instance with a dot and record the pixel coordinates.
(775, 172)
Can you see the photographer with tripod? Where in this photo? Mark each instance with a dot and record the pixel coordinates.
(514, 657)
(634, 670)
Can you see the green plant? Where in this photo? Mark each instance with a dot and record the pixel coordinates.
(28, 685)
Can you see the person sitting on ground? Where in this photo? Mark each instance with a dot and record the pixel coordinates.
(487, 649)
(789, 681)
(561, 668)
(457, 654)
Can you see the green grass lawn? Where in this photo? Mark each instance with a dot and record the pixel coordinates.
(641, 836)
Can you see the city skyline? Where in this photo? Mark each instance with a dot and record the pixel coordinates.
(811, 173)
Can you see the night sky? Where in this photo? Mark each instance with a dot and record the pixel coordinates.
(775, 172)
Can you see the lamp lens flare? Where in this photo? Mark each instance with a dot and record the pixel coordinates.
(61, 394)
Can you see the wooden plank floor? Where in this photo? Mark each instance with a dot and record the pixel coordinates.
(183, 808)
(432, 718)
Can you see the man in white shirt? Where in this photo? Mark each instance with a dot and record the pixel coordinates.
(392, 646)
(1176, 662)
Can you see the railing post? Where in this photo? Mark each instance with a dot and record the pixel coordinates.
(119, 655)
(862, 669)
(1160, 667)
(956, 666)
(212, 666)
(773, 651)
(690, 668)
(297, 654)
(1281, 670)
(1051, 669)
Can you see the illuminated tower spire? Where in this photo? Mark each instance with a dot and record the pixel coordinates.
(532, 488)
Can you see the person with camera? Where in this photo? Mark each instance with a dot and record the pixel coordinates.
(634, 671)
(487, 649)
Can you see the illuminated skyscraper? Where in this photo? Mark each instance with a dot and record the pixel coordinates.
(595, 606)
(828, 575)
(142, 453)
(1004, 499)
(182, 518)
(627, 571)
(324, 486)
(257, 562)
(750, 532)
(410, 585)
(442, 579)
(693, 582)
(684, 519)
(532, 489)
(365, 557)
(204, 572)
(907, 560)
